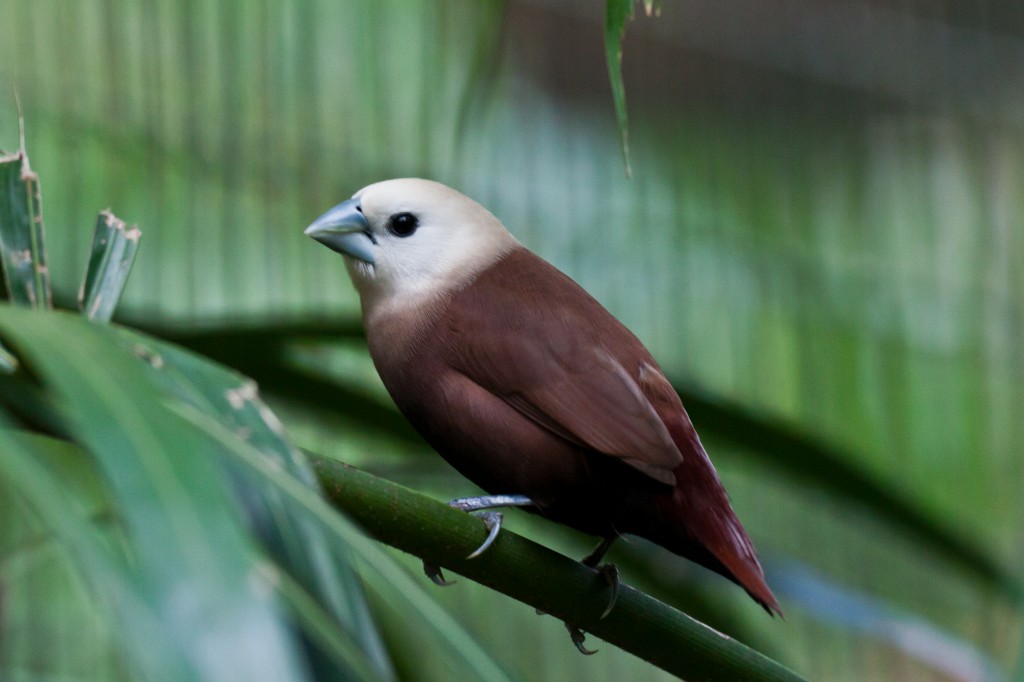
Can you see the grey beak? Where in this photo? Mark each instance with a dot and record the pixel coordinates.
(344, 229)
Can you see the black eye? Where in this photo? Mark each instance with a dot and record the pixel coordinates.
(403, 224)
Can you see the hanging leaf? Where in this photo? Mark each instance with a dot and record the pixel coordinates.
(617, 15)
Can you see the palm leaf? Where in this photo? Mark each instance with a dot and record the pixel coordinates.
(23, 263)
(164, 481)
(114, 246)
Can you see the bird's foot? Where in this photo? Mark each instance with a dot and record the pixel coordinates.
(611, 576)
(476, 505)
(493, 522)
(607, 571)
(436, 576)
(577, 637)
(610, 573)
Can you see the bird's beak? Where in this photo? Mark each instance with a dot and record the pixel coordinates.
(344, 229)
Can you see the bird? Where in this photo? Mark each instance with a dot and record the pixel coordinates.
(526, 384)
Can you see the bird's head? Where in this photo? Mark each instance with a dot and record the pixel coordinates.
(408, 238)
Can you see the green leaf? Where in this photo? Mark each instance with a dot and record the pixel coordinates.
(45, 599)
(116, 593)
(113, 253)
(617, 15)
(196, 571)
(296, 544)
(8, 363)
(215, 414)
(22, 254)
(414, 598)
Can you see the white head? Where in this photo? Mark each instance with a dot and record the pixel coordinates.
(409, 239)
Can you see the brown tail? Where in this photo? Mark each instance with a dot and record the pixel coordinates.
(696, 520)
(701, 525)
(731, 546)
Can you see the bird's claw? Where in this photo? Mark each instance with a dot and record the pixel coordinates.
(475, 505)
(610, 573)
(493, 522)
(578, 638)
(436, 576)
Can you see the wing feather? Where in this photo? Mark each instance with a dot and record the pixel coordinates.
(568, 365)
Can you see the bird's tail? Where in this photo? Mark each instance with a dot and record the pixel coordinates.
(712, 535)
(701, 526)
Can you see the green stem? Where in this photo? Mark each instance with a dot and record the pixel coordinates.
(542, 578)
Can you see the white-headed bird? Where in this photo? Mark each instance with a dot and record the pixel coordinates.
(525, 383)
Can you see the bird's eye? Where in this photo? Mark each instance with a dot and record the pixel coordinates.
(403, 224)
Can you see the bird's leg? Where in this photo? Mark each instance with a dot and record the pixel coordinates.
(607, 571)
(469, 504)
(578, 638)
(594, 558)
(475, 506)
(433, 572)
(492, 520)
(611, 576)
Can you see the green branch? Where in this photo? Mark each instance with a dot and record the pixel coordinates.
(541, 578)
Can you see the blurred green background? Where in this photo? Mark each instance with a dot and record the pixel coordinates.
(824, 231)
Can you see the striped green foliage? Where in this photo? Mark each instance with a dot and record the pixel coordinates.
(23, 263)
(114, 246)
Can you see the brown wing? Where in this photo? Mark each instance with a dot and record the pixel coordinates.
(531, 336)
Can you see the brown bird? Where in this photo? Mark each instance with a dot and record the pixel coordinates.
(526, 384)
